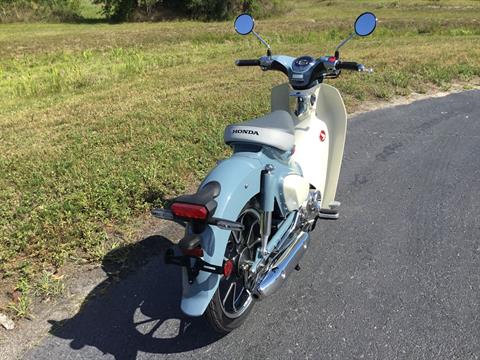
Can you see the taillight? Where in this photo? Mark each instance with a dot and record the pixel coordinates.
(189, 211)
(195, 252)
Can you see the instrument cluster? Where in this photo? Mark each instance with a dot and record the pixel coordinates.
(302, 64)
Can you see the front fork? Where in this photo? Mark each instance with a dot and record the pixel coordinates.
(267, 204)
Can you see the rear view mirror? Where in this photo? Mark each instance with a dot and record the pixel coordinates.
(365, 24)
(244, 24)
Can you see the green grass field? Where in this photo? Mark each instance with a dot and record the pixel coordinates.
(99, 122)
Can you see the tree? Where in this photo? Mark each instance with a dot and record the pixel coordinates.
(124, 10)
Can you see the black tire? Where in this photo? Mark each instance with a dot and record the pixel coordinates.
(221, 323)
(224, 318)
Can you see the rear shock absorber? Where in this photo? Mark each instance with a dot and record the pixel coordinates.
(267, 204)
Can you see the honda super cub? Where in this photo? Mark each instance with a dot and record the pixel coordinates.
(248, 224)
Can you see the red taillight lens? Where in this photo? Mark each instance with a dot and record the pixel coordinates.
(189, 211)
(196, 252)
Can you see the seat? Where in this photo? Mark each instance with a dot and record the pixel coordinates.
(275, 129)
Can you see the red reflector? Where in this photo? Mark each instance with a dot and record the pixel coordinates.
(228, 268)
(332, 59)
(189, 211)
(323, 135)
(196, 252)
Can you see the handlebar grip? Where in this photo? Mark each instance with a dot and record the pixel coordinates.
(348, 65)
(252, 62)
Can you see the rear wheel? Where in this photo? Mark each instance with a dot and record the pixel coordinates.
(233, 301)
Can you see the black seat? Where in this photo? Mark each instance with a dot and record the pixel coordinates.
(275, 129)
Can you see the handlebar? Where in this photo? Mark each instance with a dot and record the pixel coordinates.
(252, 62)
(326, 67)
(348, 65)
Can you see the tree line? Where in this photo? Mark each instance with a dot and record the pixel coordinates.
(39, 10)
(138, 10)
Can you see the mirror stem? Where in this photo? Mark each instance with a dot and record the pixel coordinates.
(344, 41)
(269, 49)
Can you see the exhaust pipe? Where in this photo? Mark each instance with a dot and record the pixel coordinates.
(284, 266)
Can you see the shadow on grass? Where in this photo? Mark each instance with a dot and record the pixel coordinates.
(140, 313)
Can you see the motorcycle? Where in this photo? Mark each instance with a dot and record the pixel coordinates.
(249, 223)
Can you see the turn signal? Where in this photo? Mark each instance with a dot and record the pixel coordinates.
(189, 211)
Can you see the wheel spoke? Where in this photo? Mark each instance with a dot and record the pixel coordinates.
(228, 293)
(235, 298)
(236, 237)
(250, 232)
(239, 295)
(250, 245)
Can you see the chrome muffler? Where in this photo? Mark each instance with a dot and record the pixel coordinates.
(283, 267)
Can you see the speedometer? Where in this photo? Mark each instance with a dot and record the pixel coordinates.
(302, 63)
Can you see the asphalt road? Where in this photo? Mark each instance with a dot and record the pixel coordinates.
(397, 277)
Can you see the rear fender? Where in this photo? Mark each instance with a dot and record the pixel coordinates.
(239, 179)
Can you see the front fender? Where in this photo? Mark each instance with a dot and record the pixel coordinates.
(239, 179)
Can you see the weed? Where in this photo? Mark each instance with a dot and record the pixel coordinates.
(22, 308)
(49, 285)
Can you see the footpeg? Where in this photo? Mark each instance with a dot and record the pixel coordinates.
(192, 264)
(327, 215)
(334, 205)
(332, 213)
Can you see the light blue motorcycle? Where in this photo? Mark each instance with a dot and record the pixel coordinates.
(248, 224)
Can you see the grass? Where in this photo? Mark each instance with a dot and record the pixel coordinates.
(22, 307)
(49, 285)
(100, 122)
